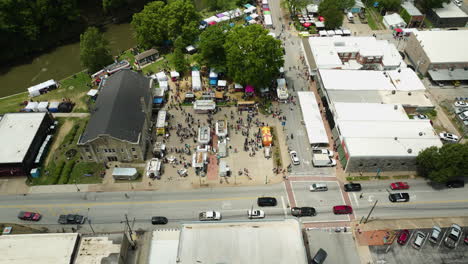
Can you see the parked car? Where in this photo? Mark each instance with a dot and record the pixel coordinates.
(71, 219)
(461, 104)
(419, 240)
(330, 153)
(454, 234)
(455, 184)
(159, 220)
(352, 187)
(458, 2)
(398, 197)
(320, 257)
(399, 186)
(448, 137)
(255, 214)
(266, 201)
(294, 157)
(303, 211)
(466, 239)
(318, 187)
(403, 237)
(342, 209)
(420, 116)
(29, 216)
(435, 234)
(463, 115)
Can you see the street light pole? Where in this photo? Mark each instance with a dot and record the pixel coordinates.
(370, 212)
(77, 189)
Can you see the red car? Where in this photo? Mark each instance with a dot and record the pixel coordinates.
(403, 237)
(342, 209)
(399, 186)
(29, 216)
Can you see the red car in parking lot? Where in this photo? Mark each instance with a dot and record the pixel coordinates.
(399, 186)
(29, 216)
(403, 237)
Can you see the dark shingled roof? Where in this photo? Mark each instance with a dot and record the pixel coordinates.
(118, 110)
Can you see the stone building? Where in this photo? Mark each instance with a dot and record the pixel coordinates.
(119, 128)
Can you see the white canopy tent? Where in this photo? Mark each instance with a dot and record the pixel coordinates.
(42, 106)
(92, 92)
(222, 83)
(312, 119)
(164, 85)
(268, 21)
(175, 74)
(196, 81)
(35, 90)
(251, 9)
(161, 76)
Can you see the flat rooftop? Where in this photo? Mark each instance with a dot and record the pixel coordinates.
(17, 131)
(444, 46)
(449, 10)
(97, 250)
(255, 242)
(373, 111)
(415, 98)
(37, 248)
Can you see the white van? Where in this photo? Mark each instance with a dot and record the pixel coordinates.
(267, 151)
(350, 17)
(318, 187)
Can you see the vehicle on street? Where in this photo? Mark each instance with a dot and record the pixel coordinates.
(159, 220)
(294, 157)
(398, 197)
(448, 137)
(454, 234)
(320, 257)
(352, 187)
(255, 214)
(399, 186)
(461, 104)
(403, 237)
(421, 116)
(458, 2)
(342, 209)
(419, 240)
(323, 151)
(266, 201)
(71, 219)
(455, 184)
(463, 115)
(209, 216)
(435, 234)
(318, 187)
(29, 216)
(303, 211)
(323, 160)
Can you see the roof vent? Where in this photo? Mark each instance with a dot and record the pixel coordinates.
(421, 133)
(410, 151)
(396, 138)
(393, 92)
(395, 107)
(409, 93)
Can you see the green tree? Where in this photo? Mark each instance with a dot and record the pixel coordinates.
(442, 164)
(252, 56)
(214, 5)
(182, 19)
(94, 50)
(429, 4)
(150, 25)
(211, 47)
(330, 10)
(109, 5)
(390, 5)
(181, 63)
(297, 5)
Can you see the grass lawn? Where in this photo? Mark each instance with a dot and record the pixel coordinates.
(74, 88)
(86, 172)
(371, 21)
(374, 19)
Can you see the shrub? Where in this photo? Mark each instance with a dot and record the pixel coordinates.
(56, 172)
(66, 172)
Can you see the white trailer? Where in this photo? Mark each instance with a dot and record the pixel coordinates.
(323, 160)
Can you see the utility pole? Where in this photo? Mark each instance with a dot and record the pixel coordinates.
(370, 212)
(89, 222)
(129, 233)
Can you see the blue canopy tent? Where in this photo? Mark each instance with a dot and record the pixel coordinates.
(213, 82)
(248, 18)
(158, 100)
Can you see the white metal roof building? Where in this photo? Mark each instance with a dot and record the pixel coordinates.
(312, 117)
(38, 248)
(164, 246)
(449, 10)
(380, 137)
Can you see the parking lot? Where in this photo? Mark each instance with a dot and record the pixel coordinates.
(321, 201)
(429, 252)
(339, 246)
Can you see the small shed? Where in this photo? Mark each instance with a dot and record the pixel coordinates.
(124, 174)
(394, 21)
(146, 57)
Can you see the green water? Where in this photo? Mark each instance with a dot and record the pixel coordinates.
(59, 63)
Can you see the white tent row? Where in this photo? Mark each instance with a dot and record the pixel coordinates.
(211, 19)
(35, 90)
(196, 81)
(175, 74)
(251, 9)
(268, 20)
(312, 118)
(164, 85)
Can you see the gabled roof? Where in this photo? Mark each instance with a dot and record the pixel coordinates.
(119, 110)
(145, 54)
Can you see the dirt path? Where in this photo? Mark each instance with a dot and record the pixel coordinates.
(65, 128)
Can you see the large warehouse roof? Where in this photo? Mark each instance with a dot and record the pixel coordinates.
(374, 111)
(361, 80)
(17, 132)
(38, 248)
(444, 46)
(242, 242)
(312, 118)
(449, 10)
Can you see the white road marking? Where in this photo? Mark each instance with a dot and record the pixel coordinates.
(355, 199)
(324, 221)
(286, 191)
(409, 239)
(226, 205)
(370, 198)
(441, 238)
(284, 207)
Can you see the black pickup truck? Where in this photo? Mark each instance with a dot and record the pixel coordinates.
(71, 219)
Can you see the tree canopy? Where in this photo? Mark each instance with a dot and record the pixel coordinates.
(252, 56)
(332, 11)
(159, 22)
(390, 5)
(429, 4)
(211, 47)
(442, 164)
(296, 5)
(109, 5)
(94, 50)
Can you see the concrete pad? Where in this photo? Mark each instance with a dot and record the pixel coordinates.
(340, 247)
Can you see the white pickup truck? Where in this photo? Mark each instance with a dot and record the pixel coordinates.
(323, 160)
(209, 216)
(255, 214)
